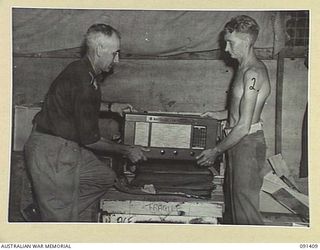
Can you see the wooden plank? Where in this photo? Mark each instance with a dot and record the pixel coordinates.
(280, 167)
(272, 183)
(205, 208)
(269, 205)
(116, 195)
(217, 54)
(290, 202)
(279, 94)
(142, 218)
(262, 53)
(294, 201)
(63, 53)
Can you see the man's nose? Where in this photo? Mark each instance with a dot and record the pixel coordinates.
(226, 49)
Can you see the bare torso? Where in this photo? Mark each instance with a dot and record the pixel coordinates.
(237, 90)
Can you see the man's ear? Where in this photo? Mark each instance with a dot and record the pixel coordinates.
(98, 50)
(248, 39)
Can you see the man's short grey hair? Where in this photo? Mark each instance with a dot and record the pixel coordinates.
(97, 32)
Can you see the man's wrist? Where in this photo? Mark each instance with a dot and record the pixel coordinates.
(218, 150)
(222, 114)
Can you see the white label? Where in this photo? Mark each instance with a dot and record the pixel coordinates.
(141, 134)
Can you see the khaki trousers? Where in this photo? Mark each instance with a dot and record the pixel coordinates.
(66, 178)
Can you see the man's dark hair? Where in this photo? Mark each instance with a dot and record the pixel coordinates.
(243, 24)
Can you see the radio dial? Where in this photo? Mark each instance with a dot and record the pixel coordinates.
(175, 152)
(162, 152)
(191, 153)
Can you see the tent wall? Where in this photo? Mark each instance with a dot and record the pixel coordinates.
(156, 32)
(157, 85)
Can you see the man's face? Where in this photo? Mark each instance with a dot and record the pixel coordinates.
(109, 53)
(236, 44)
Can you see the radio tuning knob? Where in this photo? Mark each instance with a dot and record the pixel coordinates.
(162, 152)
(175, 152)
(191, 153)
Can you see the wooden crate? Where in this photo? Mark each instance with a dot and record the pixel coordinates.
(157, 209)
(142, 218)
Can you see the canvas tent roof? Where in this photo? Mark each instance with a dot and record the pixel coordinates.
(143, 32)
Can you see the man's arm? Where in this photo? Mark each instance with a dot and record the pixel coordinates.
(218, 115)
(86, 120)
(242, 128)
(133, 153)
(115, 107)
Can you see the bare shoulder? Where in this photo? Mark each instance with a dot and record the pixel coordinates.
(257, 74)
(258, 69)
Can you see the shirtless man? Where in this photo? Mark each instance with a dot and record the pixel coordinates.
(245, 141)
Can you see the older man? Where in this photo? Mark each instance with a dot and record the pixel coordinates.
(245, 140)
(66, 176)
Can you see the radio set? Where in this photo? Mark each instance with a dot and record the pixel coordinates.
(170, 136)
(174, 141)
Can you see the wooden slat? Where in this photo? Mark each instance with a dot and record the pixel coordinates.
(63, 53)
(272, 184)
(262, 53)
(217, 54)
(203, 209)
(290, 202)
(280, 168)
(294, 201)
(269, 205)
(279, 94)
(141, 218)
(117, 195)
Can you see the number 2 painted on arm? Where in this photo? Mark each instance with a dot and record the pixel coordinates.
(254, 83)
